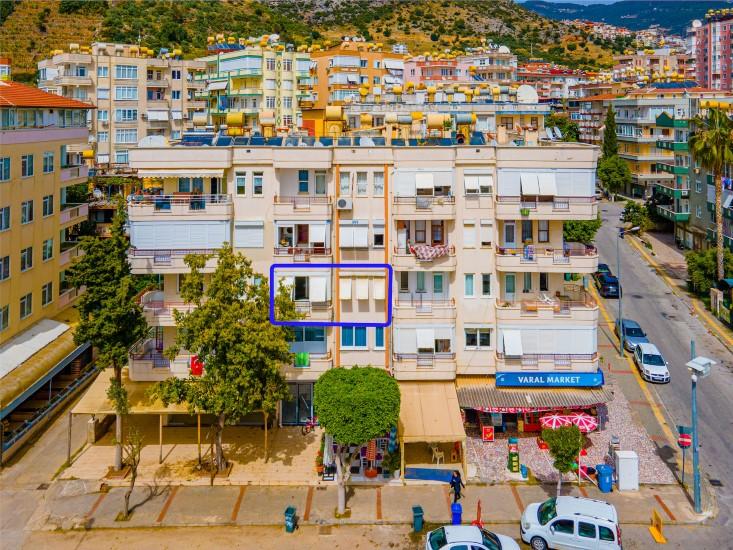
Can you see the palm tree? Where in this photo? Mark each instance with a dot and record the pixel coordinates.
(711, 145)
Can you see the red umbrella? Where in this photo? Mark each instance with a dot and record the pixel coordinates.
(585, 422)
(554, 421)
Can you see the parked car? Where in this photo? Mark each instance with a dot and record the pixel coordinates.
(603, 269)
(571, 522)
(608, 286)
(633, 335)
(462, 537)
(652, 366)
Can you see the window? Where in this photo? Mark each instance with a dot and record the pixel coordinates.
(26, 212)
(486, 284)
(287, 120)
(526, 230)
(320, 183)
(125, 115)
(481, 184)
(604, 533)
(175, 134)
(376, 81)
(420, 281)
(48, 162)
(122, 157)
(47, 250)
(189, 185)
(103, 71)
(469, 234)
(46, 294)
(270, 101)
(468, 285)
(586, 530)
(544, 282)
(4, 169)
(698, 186)
(506, 122)
(175, 94)
(126, 135)
(478, 338)
(361, 183)
(240, 182)
(4, 268)
(378, 232)
(176, 74)
(102, 93)
(126, 71)
(287, 103)
(378, 184)
(26, 166)
(363, 63)
(698, 211)
(353, 338)
(437, 283)
(420, 235)
(4, 317)
(303, 182)
(287, 65)
(26, 258)
(4, 218)
(486, 231)
(103, 137)
(527, 283)
(565, 526)
(26, 305)
(379, 338)
(543, 231)
(345, 183)
(270, 64)
(257, 179)
(126, 93)
(404, 281)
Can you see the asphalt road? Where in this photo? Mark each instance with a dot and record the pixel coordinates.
(669, 325)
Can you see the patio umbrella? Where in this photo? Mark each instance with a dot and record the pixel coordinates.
(585, 422)
(554, 421)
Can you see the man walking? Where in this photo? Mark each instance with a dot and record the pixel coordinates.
(455, 484)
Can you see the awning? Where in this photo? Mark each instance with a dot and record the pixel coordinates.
(318, 289)
(530, 184)
(480, 393)
(317, 233)
(95, 400)
(425, 338)
(345, 289)
(471, 183)
(180, 173)
(379, 293)
(394, 64)
(429, 413)
(512, 343)
(424, 180)
(362, 289)
(547, 184)
(177, 115)
(157, 115)
(218, 85)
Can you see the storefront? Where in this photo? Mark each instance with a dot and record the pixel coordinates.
(299, 408)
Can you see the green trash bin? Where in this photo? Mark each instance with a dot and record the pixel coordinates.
(417, 518)
(290, 519)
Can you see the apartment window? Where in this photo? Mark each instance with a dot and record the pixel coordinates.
(175, 134)
(320, 183)
(26, 305)
(543, 231)
(4, 169)
(4, 268)
(404, 281)
(345, 183)
(469, 234)
(544, 282)
(103, 115)
(4, 317)
(123, 93)
(353, 338)
(486, 284)
(103, 71)
(437, 283)
(102, 93)
(103, 137)
(468, 285)
(240, 182)
(287, 103)
(126, 71)
(420, 287)
(379, 338)
(26, 258)
(190, 185)
(270, 101)
(698, 186)
(361, 183)
(126, 135)
(698, 211)
(4, 218)
(122, 157)
(257, 180)
(478, 338)
(26, 212)
(507, 122)
(46, 294)
(303, 182)
(420, 232)
(26, 166)
(363, 63)
(376, 81)
(526, 230)
(47, 250)
(378, 184)
(47, 205)
(287, 65)
(48, 162)
(125, 115)
(527, 283)
(176, 74)
(378, 231)
(486, 231)
(287, 120)
(481, 184)
(270, 64)
(176, 94)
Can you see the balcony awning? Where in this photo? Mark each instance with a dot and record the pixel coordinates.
(317, 233)
(429, 413)
(378, 285)
(179, 173)
(362, 289)
(394, 64)
(157, 115)
(530, 184)
(547, 184)
(218, 85)
(345, 289)
(318, 289)
(512, 343)
(425, 338)
(424, 180)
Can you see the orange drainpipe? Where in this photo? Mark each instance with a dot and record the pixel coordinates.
(337, 258)
(386, 259)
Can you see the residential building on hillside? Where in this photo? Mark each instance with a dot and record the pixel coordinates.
(490, 65)
(553, 83)
(650, 64)
(711, 42)
(137, 94)
(589, 106)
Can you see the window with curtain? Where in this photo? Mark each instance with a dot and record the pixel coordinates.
(320, 183)
(543, 231)
(468, 285)
(361, 183)
(379, 338)
(420, 281)
(420, 231)
(378, 184)
(345, 184)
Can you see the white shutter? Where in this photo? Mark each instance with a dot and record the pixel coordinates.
(317, 233)
(486, 184)
(469, 233)
(317, 286)
(405, 340)
(249, 234)
(345, 289)
(379, 289)
(530, 184)
(425, 338)
(471, 184)
(362, 288)
(361, 236)
(424, 180)
(403, 183)
(346, 236)
(486, 232)
(547, 184)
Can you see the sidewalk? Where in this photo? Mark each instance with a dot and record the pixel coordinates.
(72, 504)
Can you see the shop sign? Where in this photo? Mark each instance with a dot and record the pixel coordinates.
(550, 379)
(487, 433)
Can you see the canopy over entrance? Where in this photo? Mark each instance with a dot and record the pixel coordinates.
(429, 413)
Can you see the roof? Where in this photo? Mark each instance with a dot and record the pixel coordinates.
(15, 94)
(29, 342)
(462, 533)
(573, 506)
(647, 347)
(599, 97)
(429, 413)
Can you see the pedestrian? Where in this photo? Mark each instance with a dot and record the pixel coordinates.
(455, 484)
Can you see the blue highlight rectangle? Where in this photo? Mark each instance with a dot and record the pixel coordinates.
(294, 323)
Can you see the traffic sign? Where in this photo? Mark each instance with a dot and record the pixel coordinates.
(684, 440)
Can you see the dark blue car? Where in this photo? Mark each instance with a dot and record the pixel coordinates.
(608, 286)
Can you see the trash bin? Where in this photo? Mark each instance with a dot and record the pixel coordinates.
(290, 520)
(456, 512)
(417, 518)
(523, 470)
(605, 478)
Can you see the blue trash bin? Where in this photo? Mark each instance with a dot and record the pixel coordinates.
(604, 472)
(456, 512)
(417, 518)
(290, 520)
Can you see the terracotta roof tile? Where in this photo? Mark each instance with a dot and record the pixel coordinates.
(14, 94)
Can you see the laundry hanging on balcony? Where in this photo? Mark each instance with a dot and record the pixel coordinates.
(428, 252)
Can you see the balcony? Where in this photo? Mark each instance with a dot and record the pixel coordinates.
(671, 145)
(70, 250)
(304, 253)
(315, 311)
(318, 364)
(557, 208)
(71, 174)
(671, 213)
(148, 261)
(157, 83)
(572, 304)
(72, 80)
(68, 295)
(159, 312)
(423, 257)
(424, 366)
(547, 362)
(148, 364)
(673, 169)
(571, 258)
(674, 189)
(303, 207)
(71, 214)
(424, 208)
(180, 205)
(418, 305)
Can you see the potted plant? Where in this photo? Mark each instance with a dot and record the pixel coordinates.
(391, 464)
(524, 211)
(319, 462)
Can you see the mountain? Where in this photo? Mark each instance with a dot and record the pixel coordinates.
(675, 16)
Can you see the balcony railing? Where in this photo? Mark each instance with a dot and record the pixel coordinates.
(302, 201)
(425, 360)
(302, 253)
(163, 257)
(74, 172)
(559, 359)
(168, 203)
(557, 203)
(559, 304)
(529, 253)
(419, 301)
(70, 212)
(425, 202)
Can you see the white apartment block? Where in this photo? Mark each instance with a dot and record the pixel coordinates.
(137, 94)
(483, 281)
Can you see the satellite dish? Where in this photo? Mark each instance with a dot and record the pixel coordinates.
(97, 194)
(696, 24)
(527, 94)
(504, 49)
(152, 141)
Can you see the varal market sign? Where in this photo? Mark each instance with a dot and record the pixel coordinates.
(550, 379)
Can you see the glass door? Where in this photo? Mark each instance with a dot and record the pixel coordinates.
(299, 408)
(510, 284)
(510, 240)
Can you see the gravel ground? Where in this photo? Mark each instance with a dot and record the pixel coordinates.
(490, 458)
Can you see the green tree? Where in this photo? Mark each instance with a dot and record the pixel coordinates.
(581, 231)
(355, 406)
(564, 444)
(637, 215)
(702, 268)
(109, 317)
(569, 128)
(609, 148)
(614, 174)
(230, 332)
(711, 145)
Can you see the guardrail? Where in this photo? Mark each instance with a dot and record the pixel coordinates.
(302, 201)
(164, 202)
(302, 250)
(416, 300)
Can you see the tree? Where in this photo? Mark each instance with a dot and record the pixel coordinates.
(564, 444)
(133, 450)
(355, 406)
(230, 332)
(711, 145)
(637, 215)
(568, 128)
(109, 317)
(614, 174)
(702, 269)
(609, 148)
(581, 231)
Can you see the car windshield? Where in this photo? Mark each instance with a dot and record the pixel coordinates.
(437, 539)
(546, 511)
(634, 331)
(490, 540)
(654, 360)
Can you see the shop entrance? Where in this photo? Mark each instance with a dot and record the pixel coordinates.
(299, 408)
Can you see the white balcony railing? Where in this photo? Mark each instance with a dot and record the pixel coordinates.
(74, 213)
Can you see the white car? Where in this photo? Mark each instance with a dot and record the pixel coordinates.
(563, 523)
(467, 537)
(651, 364)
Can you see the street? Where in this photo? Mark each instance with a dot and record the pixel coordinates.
(670, 326)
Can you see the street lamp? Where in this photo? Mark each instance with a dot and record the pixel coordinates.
(699, 367)
(621, 233)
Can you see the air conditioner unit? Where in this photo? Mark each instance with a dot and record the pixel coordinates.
(344, 204)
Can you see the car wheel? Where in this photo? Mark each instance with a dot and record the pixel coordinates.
(538, 543)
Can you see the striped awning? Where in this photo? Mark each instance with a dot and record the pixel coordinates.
(481, 393)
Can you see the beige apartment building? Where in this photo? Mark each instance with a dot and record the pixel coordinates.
(137, 94)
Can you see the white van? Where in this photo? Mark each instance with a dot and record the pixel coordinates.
(565, 523)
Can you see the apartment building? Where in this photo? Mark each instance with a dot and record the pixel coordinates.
(589, 106)
(137, 94)
(712, 49)
(483, 286)
(553, 82)
(651, 63)
(490, 65)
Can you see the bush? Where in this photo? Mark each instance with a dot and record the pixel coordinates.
(581, 231)
(637, 215)
(614, 173)
(702, 269)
